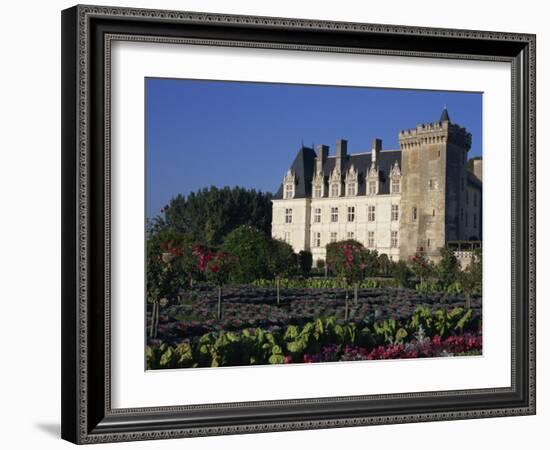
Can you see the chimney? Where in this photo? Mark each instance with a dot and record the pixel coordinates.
(341, 153)
(478, 165)
(322, 155)
(376, 148)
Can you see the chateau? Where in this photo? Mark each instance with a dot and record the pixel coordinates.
(416, 198)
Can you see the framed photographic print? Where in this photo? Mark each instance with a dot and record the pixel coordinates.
(282, 224)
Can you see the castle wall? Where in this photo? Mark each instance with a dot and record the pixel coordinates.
(296, 233)
(382, 226)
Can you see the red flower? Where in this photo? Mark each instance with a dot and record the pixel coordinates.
(288, 359)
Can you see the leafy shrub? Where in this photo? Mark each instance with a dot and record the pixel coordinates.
(252, 249)
(305, 262)
(297, 344)
(402, 273)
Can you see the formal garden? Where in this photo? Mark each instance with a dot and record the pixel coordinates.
(222, 292)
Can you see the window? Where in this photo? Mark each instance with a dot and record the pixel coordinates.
(461, 214)
(351, 189)
(466, 219)
(464, 158)
(475, 198)
(467, 197)
(317, 215)
(288, 215)
(414, 213)
(334, 214)
(433, 212)
(351, 235)
(395, 186)
(289, 190)
(372, 187)
(316, 239)
(462, 184)
(475, 220)
(351, 213)
(432, 184)
(394, 242)
(335, 190)
(394, 212)
(371, 213)
(333, 236)
(286, 237)
(370, 239)
(429, 243)
(318, 191)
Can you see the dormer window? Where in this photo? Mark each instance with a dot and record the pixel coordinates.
(395, 177)
(289, 190)
(351, 182)
(395, 186)
(372, 187)
(289, 182)
(318, 184)
(335, 183)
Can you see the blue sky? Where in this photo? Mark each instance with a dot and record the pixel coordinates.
(201, 133)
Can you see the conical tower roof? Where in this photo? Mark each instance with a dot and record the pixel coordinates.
(444, 115)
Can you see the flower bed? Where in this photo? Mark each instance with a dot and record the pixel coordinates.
(424, 333)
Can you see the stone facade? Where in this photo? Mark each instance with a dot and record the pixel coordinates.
(398, 202)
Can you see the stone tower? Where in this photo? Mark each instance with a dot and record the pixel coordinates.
(433, 165)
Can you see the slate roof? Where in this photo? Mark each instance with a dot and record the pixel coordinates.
(304, 166)
(445, 116)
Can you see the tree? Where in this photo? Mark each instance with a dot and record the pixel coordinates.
(384, 265)
(448, 267)
(281, 262)
(170, 268)
(402, 273)
(252, 249)
(305, 262)
(421, 266)
(349, 260)
(209, 214)
(218, 269)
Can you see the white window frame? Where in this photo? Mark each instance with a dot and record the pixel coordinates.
(317, 215)
(394, 213)
(289, 190)
(371, 239)
(371, 213)
(394, 239)
(288, 215)
(351, 235)
(372, 187)
(333, 237)
(334, 214)
(335, 187)
(395, 182)
(351, 213)
(318, 191)
(317, 239)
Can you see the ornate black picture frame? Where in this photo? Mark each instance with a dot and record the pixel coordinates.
(87, 33)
